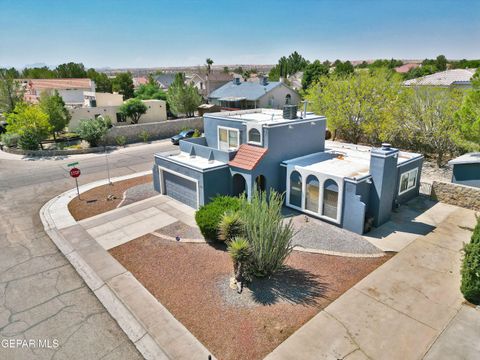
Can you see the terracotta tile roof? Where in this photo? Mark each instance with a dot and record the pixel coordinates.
(60, 83)
(248, 156)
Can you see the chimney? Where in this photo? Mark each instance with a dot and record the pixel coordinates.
(263, 80)
(290, 112)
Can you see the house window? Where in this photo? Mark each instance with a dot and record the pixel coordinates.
(254, 136)
(296, 189)
(120, 117)
(408, 181)
(288, 99)
(228, 139)
(313, 191)
(330, 199)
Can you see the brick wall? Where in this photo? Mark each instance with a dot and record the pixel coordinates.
(455, 194)
(158, 130)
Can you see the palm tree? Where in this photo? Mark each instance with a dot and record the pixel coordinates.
(209, 68)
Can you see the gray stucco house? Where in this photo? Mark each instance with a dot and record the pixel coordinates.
(466, 169)
(347, 185)
(238, 94)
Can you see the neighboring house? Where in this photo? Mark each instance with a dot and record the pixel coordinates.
(165, 80)
(216, 79)
(105, 104)
(238, 94)
(295, 80)
(347, 185)
(460, 78)
(466, 169)
(71, 90)
(138, 81)
(403, 69)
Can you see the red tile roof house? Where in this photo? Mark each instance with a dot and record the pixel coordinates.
(346, 185)
(71, 90)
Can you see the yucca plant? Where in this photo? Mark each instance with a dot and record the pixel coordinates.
(239, 250)
(269, 236)
(230, 226)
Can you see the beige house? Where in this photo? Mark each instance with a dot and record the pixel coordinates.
(71, 90)
(108, 105)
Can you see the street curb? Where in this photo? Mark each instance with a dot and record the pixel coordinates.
(141, 317)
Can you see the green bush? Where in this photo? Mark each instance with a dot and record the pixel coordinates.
(30, 139)
(239, 250)
(230, 226)
(197, 133)
(10, 139)
(269, 236)
(93, 130)
(208, 216)
(470, 286)
(121, 140)
(144, 135)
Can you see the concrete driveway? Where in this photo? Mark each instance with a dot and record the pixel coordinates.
(401, 309)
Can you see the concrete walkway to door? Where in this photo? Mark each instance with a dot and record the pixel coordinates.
(401, 310)
(123, 224)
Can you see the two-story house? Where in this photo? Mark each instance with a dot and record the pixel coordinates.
(346, 185)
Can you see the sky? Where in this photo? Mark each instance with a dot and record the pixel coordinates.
(151, 33)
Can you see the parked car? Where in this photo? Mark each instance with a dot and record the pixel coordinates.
(185, 134)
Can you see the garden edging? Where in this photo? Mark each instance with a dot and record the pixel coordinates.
(142, 318)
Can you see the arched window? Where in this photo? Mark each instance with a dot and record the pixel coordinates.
(288, 99)
(330, 199)
(313, 191)
(296, 189)
(254, 136)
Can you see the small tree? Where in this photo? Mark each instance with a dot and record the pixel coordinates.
(239, 250)
(230, 226)
(11, 92)
(468, 117)
(30, 123)
(93, 130)
(54, 107)
(471, 268)
(182, 98)
(133, 109)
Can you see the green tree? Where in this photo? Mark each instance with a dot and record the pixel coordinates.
(71, 70)
(54, 107)
(123, 84)
(287, 66)
(133, 109)
(30, 123)
(11, 91)
(343, 69)
(93, 130)
(441, 63)
(357, 106)
(313, 72)
(150, 91)
(102, 81)
(470, 285)
(428, 124)
(467, 117)
(182, 98)
(38, 73)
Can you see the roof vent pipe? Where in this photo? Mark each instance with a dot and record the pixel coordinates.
(305, 103)
(386, 146)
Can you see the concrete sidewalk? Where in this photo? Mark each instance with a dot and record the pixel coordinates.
(402, 308)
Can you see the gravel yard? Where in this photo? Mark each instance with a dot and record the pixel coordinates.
(94, 201)
(138, 193)
(192, 282)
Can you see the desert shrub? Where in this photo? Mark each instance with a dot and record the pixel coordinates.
(208, 216)
(269, 236)
(30, 139)
(93, 130)
(230, 226)
(470, 286)
(121, 140)
(239, 250)
(197, 133)
(144, 135)
(10, 139)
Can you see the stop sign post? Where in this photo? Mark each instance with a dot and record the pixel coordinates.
(75, 173)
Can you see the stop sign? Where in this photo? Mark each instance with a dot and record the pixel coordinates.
(75, 172)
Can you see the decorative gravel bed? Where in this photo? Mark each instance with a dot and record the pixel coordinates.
(138, 193)
(94, 201)
(192, 281)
